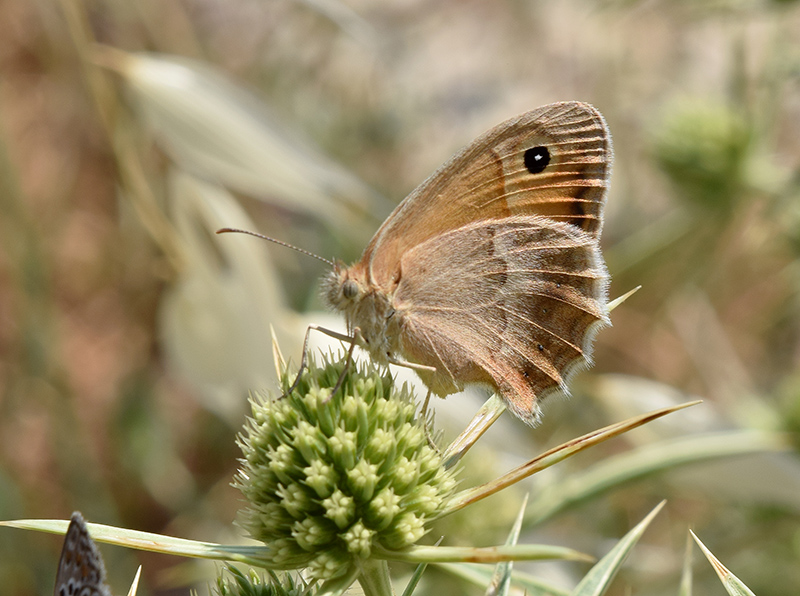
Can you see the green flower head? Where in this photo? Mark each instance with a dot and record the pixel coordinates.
(330, 477)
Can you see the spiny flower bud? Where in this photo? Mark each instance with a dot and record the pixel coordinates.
(234, 582)
(330, 476)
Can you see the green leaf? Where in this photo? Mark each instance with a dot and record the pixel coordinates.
(414, 581)
(374, 578)
(732, 584)
(252, 555)
(686, 575)
(490, 554)
(339, 585)
(599, 578)
(501, 580)
(480, 575)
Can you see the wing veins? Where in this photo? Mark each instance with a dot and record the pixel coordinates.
(563, 163)
(432, 344)
(545, 329)
(520, 352)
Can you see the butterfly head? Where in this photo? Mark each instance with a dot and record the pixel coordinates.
(366, 307)
(342, 288)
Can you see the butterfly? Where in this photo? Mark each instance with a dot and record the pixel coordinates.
(80, 570)
(490, 272)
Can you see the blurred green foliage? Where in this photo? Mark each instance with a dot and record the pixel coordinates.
(703, 149)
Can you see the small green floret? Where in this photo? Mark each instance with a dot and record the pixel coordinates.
(235, 583)
(328, 477)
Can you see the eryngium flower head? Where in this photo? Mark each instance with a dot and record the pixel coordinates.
(329, 477)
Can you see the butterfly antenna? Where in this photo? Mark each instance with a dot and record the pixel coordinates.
(286, 244)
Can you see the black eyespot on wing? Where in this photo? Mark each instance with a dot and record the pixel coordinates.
(536, 159)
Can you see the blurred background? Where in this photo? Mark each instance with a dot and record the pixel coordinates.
(130, 335)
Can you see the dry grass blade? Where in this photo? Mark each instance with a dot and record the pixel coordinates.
(213, 128)
(645, 461)
(619, 300)
(135, 583)
(558, 454)
(487, 415)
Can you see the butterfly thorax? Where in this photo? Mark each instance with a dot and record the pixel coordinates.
(366, 307)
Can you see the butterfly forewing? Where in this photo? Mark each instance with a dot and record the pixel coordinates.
(80, 570)
(498, 175)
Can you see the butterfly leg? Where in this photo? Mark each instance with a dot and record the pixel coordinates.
(348, 361)
(304, 354)
(423, 414)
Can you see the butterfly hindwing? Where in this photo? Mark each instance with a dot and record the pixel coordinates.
(515, 308)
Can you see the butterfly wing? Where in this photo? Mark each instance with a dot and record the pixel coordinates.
(80, 570)
(554, 161)
(515, 307)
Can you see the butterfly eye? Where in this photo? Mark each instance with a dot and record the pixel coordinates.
(536, 159)
(349, 289)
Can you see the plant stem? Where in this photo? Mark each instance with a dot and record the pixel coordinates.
(374, 578)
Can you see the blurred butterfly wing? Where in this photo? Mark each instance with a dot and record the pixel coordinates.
(498, 175)
(80, 570)
(524, 296)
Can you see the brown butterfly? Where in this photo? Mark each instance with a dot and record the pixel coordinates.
(490, 272)
(80, 571)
